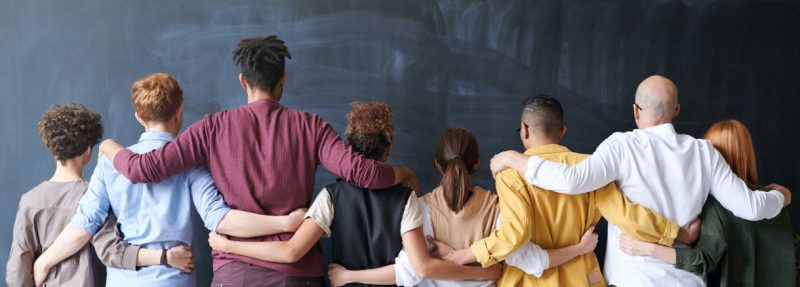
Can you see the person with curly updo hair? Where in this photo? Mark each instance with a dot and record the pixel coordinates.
(69, 132)
(370, 226)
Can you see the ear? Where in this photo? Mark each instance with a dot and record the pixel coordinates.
(437, 166)
(563, 133)
(635, 112)
(179, 114)
(526, 131)
(476, 166)
(87, 154)
(243, 81)
(283, 78)
(677, 111)
(139, 119)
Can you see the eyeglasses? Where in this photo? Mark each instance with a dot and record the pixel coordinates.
(638, 107)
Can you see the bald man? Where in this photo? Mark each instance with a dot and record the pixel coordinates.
(658, 168)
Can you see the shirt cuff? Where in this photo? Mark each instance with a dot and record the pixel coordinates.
(215, 217)
(481, 252)
(669, 234)
(129, 257)
(533, 164)
(85, 224)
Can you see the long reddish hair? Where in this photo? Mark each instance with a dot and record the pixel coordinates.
(456, 157)
(733, 141)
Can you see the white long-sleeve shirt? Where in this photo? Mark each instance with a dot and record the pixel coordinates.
(667, 172)
(529, 258)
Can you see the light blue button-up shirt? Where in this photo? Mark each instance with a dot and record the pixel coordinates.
(155, 216)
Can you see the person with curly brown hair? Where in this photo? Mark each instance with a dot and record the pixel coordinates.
(69, 132)
(263, 157)
(155, 215)
(370, 226)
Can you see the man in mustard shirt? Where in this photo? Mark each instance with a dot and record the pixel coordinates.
(552, 220)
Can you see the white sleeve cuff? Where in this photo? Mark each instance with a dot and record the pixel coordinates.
(404, 274)
(530, 258)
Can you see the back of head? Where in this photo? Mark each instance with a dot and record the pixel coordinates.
(261, 61)
(156, 97)
(732, 139)
(543, 115)
(657, 99)
(457, 156)
(369, 129)
(67, 131)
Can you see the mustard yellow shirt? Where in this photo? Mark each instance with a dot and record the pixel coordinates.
(554, 220)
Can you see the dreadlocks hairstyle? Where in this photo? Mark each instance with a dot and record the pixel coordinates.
(369, 128)
(68, 130)
(261, 61)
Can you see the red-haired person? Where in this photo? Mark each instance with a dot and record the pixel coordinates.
(732, 251)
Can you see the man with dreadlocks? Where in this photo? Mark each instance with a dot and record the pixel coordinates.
(263, 158)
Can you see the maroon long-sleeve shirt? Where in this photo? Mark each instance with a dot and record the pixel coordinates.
(263, 158)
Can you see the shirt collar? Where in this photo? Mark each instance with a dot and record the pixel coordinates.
(662, 129)
(546, 149)
(162, 136)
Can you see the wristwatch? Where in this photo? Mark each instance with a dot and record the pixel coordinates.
(164, 258)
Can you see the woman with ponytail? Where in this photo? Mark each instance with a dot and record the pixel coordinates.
(458, 214)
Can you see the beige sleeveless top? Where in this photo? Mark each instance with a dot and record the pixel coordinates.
(474, 222)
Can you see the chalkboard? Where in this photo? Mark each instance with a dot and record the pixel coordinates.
(438, 63)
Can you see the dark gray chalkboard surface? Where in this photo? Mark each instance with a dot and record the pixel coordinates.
(439, 63)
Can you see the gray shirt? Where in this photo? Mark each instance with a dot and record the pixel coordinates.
(43, 213)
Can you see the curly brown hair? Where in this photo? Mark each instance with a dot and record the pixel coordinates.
(369, 128)
(69, 129)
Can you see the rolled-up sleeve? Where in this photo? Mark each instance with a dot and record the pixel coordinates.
(206, 198)
(404, 272)
(94, 204)
(112, 250)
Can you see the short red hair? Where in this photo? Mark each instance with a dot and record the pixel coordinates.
(156, 97)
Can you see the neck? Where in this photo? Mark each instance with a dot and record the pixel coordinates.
(257, 95)
(71, 170)
(651, 123)
(163, 127)
(537, 142)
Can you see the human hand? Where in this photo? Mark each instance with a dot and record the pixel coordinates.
(588, 241)
(180, 257)
(506, 159)
(787, 195)
(440, 249)
(338, 275)
(689, 234)
(410, 179)
(293, 220)
(634, 247)
(40, 271)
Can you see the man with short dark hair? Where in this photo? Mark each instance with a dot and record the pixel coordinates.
(657, 167)
(263, 158)
(554, 221)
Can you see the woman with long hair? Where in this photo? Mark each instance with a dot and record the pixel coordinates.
(732, 251)
(459, 214)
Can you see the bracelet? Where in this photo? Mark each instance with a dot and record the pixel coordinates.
(164, 258)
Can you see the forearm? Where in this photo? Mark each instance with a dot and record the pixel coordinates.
(461, 257)
(148, 257)
(245, 224)
(272, 251)
(443, 270)
(666, 254)
(563, 255)
(66, 244)
(379, 276)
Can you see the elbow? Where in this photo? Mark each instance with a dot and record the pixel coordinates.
(425, 271)
(292, 254)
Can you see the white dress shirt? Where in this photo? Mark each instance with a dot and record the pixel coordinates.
(529, 258)
(667, 172)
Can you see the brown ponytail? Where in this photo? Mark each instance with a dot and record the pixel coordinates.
(456, 156)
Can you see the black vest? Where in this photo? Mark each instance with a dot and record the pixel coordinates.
(365, 232)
